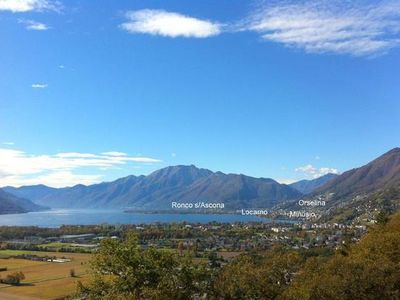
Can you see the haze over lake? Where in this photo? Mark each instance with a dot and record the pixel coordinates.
(58, 217)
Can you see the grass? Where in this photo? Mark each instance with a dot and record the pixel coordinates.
(44, 280)
(56, 245)
(7, 253)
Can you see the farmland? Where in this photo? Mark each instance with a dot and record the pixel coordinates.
(43, 280)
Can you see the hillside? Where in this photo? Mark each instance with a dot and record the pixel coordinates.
(160, 188)
(383, 172)
(359, 194)
(10, 204)
(33, 192)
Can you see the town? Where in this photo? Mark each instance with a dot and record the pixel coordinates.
(201, 239)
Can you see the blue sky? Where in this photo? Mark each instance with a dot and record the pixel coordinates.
(94, 91)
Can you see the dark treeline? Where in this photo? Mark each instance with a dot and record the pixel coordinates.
(21, 232)
(145, 232)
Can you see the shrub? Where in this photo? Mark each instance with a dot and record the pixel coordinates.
(13, 278)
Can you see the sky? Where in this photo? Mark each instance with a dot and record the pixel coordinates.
(91, 91)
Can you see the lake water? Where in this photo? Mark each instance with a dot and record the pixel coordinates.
(56, 218)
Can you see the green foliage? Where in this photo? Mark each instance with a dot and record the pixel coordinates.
(122, 270)
(257, 277)
(214, 260)
(382, 217)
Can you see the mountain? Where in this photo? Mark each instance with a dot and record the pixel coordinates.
(239, 191)
(308, 186)
(157, 190)
(383, 172)
(359, 194)
(10, 204)
(33, 192)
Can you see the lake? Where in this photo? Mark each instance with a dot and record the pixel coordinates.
(58, 217)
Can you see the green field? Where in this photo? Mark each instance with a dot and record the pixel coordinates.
(6, 253)
(44, 280)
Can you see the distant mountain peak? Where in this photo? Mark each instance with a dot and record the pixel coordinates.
(308, 186)
(391, 154)
(394, 150)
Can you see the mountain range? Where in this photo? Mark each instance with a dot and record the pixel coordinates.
(189, 184)
(10, 204)
(159, 189)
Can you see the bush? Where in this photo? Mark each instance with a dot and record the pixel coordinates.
(13, 278)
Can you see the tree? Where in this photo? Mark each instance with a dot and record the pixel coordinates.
(122, 270)
(382, 218)
(14, 278)
(72, 273)
(214, 260)
(181, 247)
(369, 271)
(255, 276)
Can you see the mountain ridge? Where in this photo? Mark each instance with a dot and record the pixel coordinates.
(382, 172)
(183, 183)
(10, 204)
(157, 190)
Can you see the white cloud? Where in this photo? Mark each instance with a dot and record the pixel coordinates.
(39, 85)
(114, 153)
(169, 24)
(286, 180)
(62, 169)
(33, 25)
(20, 6)
(344, 27)
(75, 155)
(314, 172)
(8, 143)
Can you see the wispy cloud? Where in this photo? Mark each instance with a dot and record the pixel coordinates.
(53, 179)
(8, 143)
(61, 169)
(33, 25)
(357, 28)
(39, 85)
(169, 24)
(20, 6)
(314, 172)
(114, 153)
